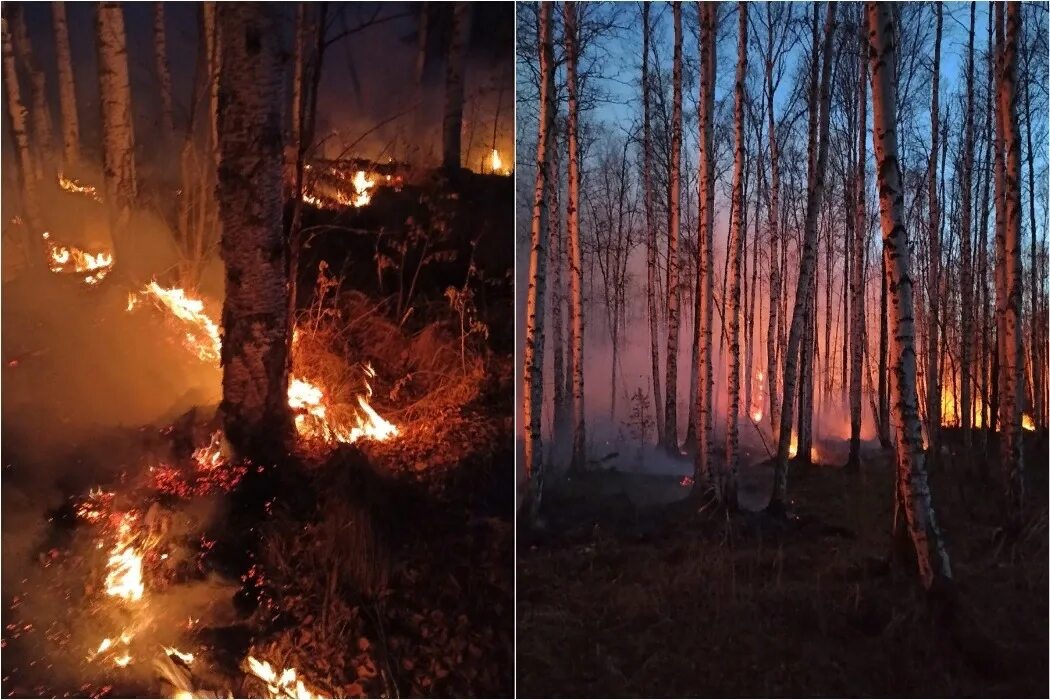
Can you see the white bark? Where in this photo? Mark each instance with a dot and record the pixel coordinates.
(579, 437)
(118, 133)
(912, 488)
(534, 319)
(674, 224)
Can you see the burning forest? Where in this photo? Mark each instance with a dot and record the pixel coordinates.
(783, 302)
(257, 351)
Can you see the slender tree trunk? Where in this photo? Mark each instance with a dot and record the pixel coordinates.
(255, 313)
(40, 141)
(533, 389)
(705, 255)
(454, 69)
(884, 348)
(118, 133)
(1037, 314)
(933, 394)
(913, 491)
(729, 481)
(557, 264)
(19, 131)
(67, 95)
(1011, 362)
(160, 54)
(651, 245)
(579, 437)
(803, 290)
(674, 224)
(965, 274)
(772, 372)
(860, 238)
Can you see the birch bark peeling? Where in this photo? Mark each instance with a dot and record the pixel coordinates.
(912, 487)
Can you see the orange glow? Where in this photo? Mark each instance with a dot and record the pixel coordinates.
(70, 259)
(284, 685)
(313, 420)
(793, 449)
(1027, 423)
(73, 186)
(202, 335)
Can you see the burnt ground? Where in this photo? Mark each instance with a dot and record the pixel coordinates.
(373, 569)
(626, 592)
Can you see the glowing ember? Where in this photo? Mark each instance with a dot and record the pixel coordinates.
(1027, 423)
(72, 185)
(182, 656)
(202, 334)
(793, 449)
(122, 660)
(285, 685)
(210, 456)
(70, 259)
(814, 456)
(362, 184)
(756, 415)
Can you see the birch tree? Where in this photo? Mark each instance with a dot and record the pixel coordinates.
(19, 131)
(651, 246)
(674, 224)
(803, 289)
(1011, 360)
(67, 95)
(40, 142)
(965, 271)
(533, 389)
(728, 486)
(705, 234)
(572, 220)
(933, 394)
(255, 316)
(160, 58)
(913, 494)
(860, 240)
(118, 133)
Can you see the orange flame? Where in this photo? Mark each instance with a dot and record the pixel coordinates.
(73, 186)
(124, 568)
(70, 259)
(1027, 423)
(313, 422)
(793, 449)
(283, 685)
(202, 334)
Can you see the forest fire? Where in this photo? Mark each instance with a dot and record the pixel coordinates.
(1027, 423)
(202, 334)
(284, 685)
(69, 259)
(73, 186)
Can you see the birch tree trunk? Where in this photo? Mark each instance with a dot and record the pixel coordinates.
(913, 491)
(557, 294)
(160, 54)
(965, 264)
(803, 289)
(534, 315)
(772, 369)
(674, 224)
(1037, 316)
(19, 117)
(705, 259)
(67, 95)
(860, 238)
(572, 215)
(933, 394)
(250, 193)
(118, 133)
(454, 69)
(727, 490)
(651, 245)
(1011, 361)
(40, 139)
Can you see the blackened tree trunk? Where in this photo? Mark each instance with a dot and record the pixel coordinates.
(860, 239)
(965, 264)
(160, 55)
(20, 134)
(933, 394)
(913, 492)
(455, 65)
(255, 314)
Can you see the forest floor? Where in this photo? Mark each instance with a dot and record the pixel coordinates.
(626, 592)
(381, 568)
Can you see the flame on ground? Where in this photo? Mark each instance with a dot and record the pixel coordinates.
(313, 422)
(793, 448)
(497, 162)
(73, 186)
(202, 334)
(283, 685)
(70, 259)
(124, 568)
(362, 184)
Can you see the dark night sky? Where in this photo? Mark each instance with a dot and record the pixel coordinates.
(368, 77)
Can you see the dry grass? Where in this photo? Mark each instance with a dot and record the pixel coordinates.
(750, 608)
